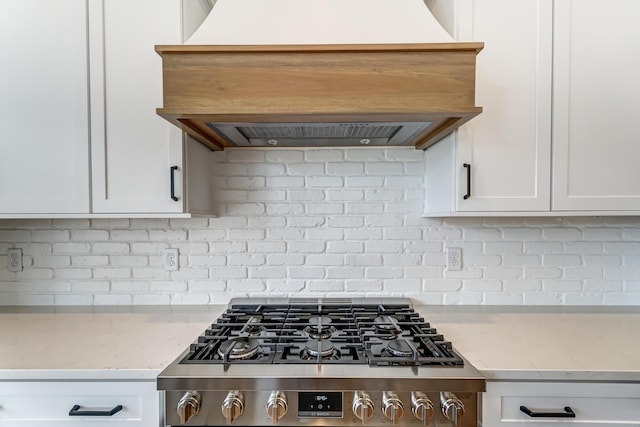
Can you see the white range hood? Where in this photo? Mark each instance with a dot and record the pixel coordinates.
(318, 22)
(309, 73)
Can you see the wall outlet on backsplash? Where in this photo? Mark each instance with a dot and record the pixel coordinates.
(454, 259)
(14, 259)
(170, 258)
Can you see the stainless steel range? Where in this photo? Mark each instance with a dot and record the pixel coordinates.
(321, 362)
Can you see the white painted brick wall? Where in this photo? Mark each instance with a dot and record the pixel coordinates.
(325, 222)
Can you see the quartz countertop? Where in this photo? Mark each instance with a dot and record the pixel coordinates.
(503, 343)
(96, 343)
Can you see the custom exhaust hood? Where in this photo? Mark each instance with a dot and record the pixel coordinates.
(310, 73)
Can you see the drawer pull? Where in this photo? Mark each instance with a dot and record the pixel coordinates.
(568, 413)
(75, 411)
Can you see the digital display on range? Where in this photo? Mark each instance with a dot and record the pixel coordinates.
(320, 404)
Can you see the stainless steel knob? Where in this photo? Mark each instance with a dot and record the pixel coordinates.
(232, 406)
(421, 407)
(277, 406)
(452, 407)
(362, 406)
(392, 407)
(188, 406)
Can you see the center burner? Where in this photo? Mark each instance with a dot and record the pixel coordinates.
(316, 331)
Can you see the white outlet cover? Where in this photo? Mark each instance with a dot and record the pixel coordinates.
(454, 259)
(14, 260)
(171, 259)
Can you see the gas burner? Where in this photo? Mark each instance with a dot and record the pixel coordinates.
(238, 348)
(253, 326)
(313, 348)
(319, 328)
(387, 327)
(400, 348)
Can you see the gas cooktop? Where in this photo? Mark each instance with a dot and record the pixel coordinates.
(321, 362)
(344, 331)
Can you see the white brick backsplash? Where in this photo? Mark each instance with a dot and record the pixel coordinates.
(73, 273)
(266, 196)
(130, 235)
(286, 234)
(345, 247)
(284, 156)
(326, 259)
(365, 154)
(245, 209)
(320, 223)
(324, 234)
(307, 272)
(72, 248)
(365, 260)
(285, 209)
(266, 247)
(252, 285)
(383, 247)
(364, 181)
(385, 168)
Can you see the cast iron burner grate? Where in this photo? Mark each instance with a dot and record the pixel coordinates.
(313, 331)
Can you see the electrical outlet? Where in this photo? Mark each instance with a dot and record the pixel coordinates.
(454, 259)
(170, 258)
(14, 259)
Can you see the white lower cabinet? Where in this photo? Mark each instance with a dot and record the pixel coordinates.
(594, 404)
(49, 403)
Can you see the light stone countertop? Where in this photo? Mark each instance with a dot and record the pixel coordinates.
(545, 343)
(504, 343)
(96, 343)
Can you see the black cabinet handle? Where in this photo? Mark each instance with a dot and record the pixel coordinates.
(568, 413)
(468, 168)
(75, 411)
(173, 183)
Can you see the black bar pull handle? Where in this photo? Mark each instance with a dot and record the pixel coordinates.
(568, 413)
(75, 412)
(467, 166)
(173, 183)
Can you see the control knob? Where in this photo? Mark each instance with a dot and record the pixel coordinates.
(232, 406)
(277, 406)
(421, 407)
(391, 406)
(188, 406)
(452, 407)
(362, 406)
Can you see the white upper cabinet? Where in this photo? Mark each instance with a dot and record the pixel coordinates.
(508, 145)
(557, 84)
(44, 112)
(133, 149)
(596, 132)
(80, 85)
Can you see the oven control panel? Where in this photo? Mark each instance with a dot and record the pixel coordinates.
(320, 404)
(321, 408)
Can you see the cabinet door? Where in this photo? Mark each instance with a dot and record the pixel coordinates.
(44, 110)
(48, 403)
(596, 65)
(594, 404)
(133, 148)
(508, 145)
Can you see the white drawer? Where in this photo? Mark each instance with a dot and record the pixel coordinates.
(40, 403)
(594, 404)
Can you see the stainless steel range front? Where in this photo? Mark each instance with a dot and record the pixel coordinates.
(321, 362)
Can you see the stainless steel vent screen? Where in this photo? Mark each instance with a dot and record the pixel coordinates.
(318, 134)
(330, 130)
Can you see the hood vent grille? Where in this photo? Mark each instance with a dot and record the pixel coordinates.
(318, 134)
